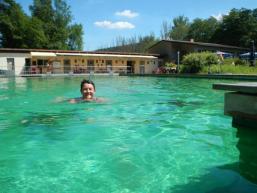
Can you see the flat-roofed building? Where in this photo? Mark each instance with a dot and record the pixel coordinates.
(38, 61)
(174, 50)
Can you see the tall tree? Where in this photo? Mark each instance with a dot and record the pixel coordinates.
(48, 27)
(145, 42)
(56, 17)
(165, 30)
(34, 34)
(138, 44)
(202, 30)
(13, 22)
(75, 41)
(180, 28)
(43, 10)
(238, 28)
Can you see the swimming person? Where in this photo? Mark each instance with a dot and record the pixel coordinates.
(87, 89)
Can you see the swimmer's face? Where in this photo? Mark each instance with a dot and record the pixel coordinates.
(88, 91)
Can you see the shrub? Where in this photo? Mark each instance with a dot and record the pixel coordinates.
(229, 61)
(241, 62)
(170, 65)
(194, 62)
(230, 69)
(211, 58)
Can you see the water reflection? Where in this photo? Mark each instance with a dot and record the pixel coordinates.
(181, 103)
(238, 177)
(47, 119)
(247, 146)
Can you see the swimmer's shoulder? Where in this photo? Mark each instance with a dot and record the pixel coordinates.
(79, 100)
(100, 100)
(75, 100)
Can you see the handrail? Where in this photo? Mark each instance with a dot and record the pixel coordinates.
(39, 70)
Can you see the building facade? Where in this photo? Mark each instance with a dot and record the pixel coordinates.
(22, 62)
(28, 62)
(174, 50)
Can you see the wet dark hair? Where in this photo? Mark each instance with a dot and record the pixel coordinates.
(85, 81)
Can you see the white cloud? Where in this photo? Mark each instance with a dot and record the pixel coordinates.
(127, 13)
(220, 16)
(114, 25)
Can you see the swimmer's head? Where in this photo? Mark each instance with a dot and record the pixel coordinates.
(85, 81)
(87, 89)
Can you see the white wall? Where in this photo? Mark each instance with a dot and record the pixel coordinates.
(19, 61)
(149, 68)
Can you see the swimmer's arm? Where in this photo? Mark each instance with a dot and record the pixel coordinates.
(59, 100)
(62, 99)
(72, 101)
(101, 100)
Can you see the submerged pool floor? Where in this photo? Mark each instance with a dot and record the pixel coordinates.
(151, 135)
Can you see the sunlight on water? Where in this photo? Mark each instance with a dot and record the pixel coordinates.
(152, 135)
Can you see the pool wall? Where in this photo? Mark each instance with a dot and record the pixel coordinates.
(207, 76)
(240, 103)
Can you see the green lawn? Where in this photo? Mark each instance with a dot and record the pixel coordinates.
(229, 68)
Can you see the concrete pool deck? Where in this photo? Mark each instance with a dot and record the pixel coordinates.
(203, 76)
(244, 87)
(244, 77)
(240, 103)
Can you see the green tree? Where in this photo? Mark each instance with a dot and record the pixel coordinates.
(75, 41)
(202, 30)
(145, 42)
(138, 44)
(48, 27)
(43, 10)
(165, 30)
(13, 22)
(180, 28)
(56, 17)
(34, 34)
(238, 28)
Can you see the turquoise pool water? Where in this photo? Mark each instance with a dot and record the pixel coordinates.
(152, 135)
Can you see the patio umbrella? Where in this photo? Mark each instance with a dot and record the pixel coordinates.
(224, 54)
(248, 54)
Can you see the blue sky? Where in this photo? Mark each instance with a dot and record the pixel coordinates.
(104, 20)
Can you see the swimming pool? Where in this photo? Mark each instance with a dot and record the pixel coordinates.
(152, 135)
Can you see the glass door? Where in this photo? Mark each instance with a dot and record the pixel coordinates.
(10, 66)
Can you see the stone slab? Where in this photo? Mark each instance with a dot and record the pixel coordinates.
(243, 87)
(241, 104)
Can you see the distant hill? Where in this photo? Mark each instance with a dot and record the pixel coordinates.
(139, 46)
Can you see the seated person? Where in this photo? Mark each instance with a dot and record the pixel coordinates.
(87, 89)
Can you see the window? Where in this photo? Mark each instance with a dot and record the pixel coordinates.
(41, 62)
(27, 61)
(10, 64)
(142, 67)
(109, 65)
(108, 62)
(90, 65)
